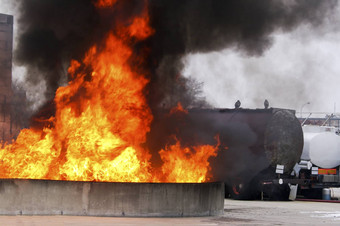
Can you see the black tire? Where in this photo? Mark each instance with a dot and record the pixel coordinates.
(243, 191)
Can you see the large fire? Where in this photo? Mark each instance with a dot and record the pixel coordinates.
(101, 123)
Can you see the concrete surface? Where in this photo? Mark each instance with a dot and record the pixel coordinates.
(281, 213)
(235, 213)
(43, 197)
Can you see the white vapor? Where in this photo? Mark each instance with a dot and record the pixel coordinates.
(301, 66)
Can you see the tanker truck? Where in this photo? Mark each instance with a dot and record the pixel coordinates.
(267, 154)
(258, 150)
(320, 162)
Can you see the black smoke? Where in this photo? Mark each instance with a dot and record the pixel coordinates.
(55, 31)
(193, 26)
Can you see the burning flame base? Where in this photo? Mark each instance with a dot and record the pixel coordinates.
(101, 122)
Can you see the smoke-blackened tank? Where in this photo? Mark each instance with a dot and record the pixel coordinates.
(252, 140)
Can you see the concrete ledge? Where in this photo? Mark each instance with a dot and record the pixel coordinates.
(44, 197)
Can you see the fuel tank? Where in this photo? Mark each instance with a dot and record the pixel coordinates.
(321, 146)
(253, 140)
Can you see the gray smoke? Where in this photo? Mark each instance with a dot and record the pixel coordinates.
(184, 27)
(53, 32)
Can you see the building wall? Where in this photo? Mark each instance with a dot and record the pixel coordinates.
(6, 93)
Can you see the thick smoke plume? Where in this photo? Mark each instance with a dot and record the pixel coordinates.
(203, 26)
(54, 32)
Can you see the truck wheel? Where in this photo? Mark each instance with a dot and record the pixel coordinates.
(242, 192)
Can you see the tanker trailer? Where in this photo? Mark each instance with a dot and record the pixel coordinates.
(320, 160)
(259, 147)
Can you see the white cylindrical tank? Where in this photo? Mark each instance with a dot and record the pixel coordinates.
(321, 146)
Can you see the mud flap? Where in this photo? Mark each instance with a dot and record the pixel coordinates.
(293, 192)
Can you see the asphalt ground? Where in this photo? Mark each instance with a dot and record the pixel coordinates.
(235, 213)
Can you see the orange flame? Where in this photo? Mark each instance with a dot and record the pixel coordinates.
(188, 164)
(105, 3)
(100, 124)
(178, 109)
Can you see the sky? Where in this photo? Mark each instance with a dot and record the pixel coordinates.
(300, 66)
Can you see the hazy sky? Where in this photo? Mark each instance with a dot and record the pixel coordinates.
(301, 66)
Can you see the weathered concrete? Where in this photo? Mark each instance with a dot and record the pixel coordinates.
(43, 197)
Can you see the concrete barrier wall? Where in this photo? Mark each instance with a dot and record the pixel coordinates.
(43, 197)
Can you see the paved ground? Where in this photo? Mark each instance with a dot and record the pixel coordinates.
(235, 213)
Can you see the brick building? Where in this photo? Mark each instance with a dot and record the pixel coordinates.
(10, 123)
(6, 93)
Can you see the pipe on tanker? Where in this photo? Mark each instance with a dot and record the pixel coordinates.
(334, 193)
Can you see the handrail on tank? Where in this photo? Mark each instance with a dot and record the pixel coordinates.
(327, 119)
(304, 121)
